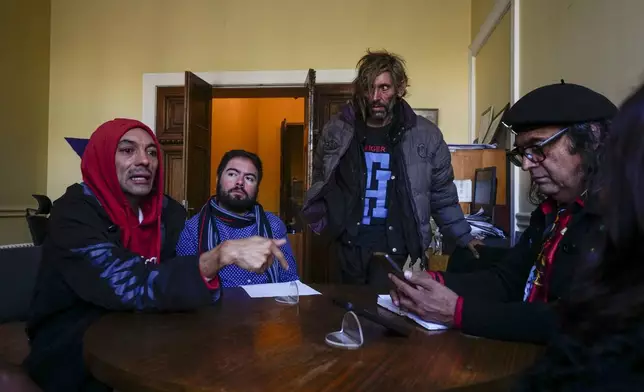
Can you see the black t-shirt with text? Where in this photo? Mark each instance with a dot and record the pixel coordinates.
(378, 175)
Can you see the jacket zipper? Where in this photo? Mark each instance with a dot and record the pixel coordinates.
(413, 207)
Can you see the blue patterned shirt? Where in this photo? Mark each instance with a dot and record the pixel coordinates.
(232, 275)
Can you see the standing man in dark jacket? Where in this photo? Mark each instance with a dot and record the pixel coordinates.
(379, 173)
(111, 247)
(559, 131)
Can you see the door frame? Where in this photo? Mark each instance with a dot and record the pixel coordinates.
(225, 79)
(519, 220)
(237, 84)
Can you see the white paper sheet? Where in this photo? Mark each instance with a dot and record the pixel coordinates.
(464, 189)
(386, 302)
(277, 290)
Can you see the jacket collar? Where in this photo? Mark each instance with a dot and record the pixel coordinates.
(88, 192)
(588, 203)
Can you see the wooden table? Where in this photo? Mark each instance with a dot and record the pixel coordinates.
(245, 344)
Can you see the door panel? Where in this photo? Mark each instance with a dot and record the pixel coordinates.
(309, 118)
(173, 168)
(329, 98)
(170, 115)
(309, 271)
(283, 172)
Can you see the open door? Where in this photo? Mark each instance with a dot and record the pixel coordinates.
(292, 173)
(320, 263)
(311, 271)
(196, 142)
(285, 175)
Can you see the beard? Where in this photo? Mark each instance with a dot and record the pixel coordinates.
(380, 111)
(235, 203)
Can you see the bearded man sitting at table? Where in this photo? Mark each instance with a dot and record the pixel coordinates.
(233, 214)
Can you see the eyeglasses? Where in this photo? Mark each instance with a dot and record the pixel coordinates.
(534, 152)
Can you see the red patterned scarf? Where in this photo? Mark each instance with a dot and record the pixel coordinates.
(537, 285)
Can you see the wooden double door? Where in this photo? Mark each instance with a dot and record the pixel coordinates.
(183, 126)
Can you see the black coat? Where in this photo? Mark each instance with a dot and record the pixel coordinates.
(613, 362)
(493, 304)
(86, 272)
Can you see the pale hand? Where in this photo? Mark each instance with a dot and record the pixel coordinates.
(471, 246)
(253, 254)
(429, 300)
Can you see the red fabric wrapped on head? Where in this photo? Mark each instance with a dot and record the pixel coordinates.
(98, 167)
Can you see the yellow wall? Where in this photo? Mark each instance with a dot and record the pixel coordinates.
(493, 71)
(24, 77)
(100, 49)
(253, 124)
(592, 42)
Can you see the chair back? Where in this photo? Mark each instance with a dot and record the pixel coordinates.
(18, 273)
(38, 219)
(38, 228)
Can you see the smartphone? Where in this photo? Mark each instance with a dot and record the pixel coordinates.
(391, 265)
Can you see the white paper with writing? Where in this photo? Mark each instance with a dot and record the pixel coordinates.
(464, 189)
(282, 289)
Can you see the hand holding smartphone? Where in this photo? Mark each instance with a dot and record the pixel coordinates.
(392, 266)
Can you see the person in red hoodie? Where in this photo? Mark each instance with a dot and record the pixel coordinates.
(111, 247)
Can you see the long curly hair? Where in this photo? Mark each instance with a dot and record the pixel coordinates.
(586, 139)
(369, 67)
(610, 293)
(602, 320)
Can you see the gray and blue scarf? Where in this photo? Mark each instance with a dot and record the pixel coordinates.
(210, 237)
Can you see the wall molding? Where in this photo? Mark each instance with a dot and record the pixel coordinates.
(13, 211)
(487, 28)
(515, 68)
(472, 99)
(292, 78)
(500, 8)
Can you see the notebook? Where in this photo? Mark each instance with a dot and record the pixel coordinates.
(386, 302)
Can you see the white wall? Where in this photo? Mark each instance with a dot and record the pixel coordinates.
(596, 43)
(493, 71)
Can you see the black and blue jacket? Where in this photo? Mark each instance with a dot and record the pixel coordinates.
(86, 272)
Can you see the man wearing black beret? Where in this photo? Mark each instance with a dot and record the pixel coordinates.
(559, 129)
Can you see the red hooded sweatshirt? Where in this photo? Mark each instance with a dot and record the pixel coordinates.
(99, 173)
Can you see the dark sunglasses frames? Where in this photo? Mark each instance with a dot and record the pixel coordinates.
(535, 153)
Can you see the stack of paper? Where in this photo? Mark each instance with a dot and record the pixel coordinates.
(481, 227)
(386, 302)
(454, 147)
(278, 290)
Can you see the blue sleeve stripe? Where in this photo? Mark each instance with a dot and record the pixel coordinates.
(119, 274)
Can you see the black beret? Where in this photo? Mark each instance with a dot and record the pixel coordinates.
(558, 104)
